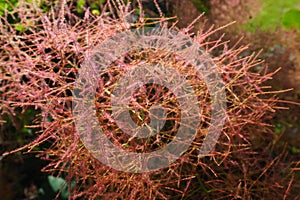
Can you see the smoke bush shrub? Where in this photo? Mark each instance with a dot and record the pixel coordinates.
(39, 65)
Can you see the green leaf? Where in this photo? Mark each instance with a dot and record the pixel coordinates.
(95, 12)
(58, 184)
(295, 150)
(271, 15)
(19, 27)
(125, 144)
(6, 6)
(26, 130)
(291, 19)
(200, 6)
(137, 11)
(80, 5)
(36, 148)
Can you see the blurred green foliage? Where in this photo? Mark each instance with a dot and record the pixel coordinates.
(291, 19)
(276, 13)
(6, 5)
(94, 5)
(52, 187)
(201, 5)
